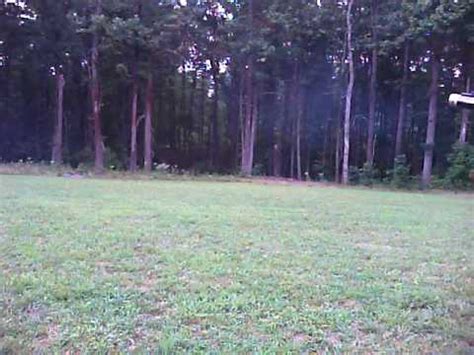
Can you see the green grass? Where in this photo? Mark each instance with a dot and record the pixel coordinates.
(193, 266)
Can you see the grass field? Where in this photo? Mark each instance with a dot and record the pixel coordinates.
(183, 266)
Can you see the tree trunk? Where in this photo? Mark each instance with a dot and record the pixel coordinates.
(403, 104)
(350, 88)
(431, 127)
(96, 100)
(248, 122)
(134, 110)
(292, 145)
(233, 114)
(57, 154)
(215, 116)
(279, 128)
(133, 126)
(299, 117)
(202, 112)
(148, 150)
(253, 132)
(465, 117)
(338, 120)
(337, 158)
(172, 113)
(190, 113)
(372, 89)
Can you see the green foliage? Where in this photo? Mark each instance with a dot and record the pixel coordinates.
(354, 175)
(84, 160)
(460, 174)
(295, 45)
(400, 175)
(258, 170)
(367, 175)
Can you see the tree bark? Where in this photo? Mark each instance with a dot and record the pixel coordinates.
(278, 130)
(250, 108)
(215, 116)
(96, 99)
(190, 112)
(248, 122)
(403, 104)
(299, 117)
(133, 126)
(337, 157)
(134, 111)
(350, 88)
(465, 116)
(372, 89)
(253, 133)
(57, 153)
(431, 127)
(233, 114)
(148, 149)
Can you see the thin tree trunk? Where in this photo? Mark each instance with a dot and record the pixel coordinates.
(133, 126)
(350, 88)
(57, 154)
(249, 124)
(278, 134)
(134, 110)
(233, 114)
(299, 116)
(465, 117)
(403, 104)
(215, 116)
(338, 121)
(253, 133)
(148, 151)
(190, 112)
(372, 89)
(172, 113)
(242, 113)
(292, 149)
(431, 127)
(337, 159)
(247, 147)
(96, 100)
(202, 112)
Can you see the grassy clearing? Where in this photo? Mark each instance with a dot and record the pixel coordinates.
(201, 266)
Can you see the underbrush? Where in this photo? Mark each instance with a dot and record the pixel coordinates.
(161, 172)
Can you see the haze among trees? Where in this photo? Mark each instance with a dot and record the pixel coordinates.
(321, 89)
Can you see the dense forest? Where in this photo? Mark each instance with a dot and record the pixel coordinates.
(307, 89)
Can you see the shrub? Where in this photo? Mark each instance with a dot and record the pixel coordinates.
(112, 161)
(460, 173)
(354, 175)
(401, 173)
(367, 175)
(258, 170)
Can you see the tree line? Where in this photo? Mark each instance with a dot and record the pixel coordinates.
(289, 88)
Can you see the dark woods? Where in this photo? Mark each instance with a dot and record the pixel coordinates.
(293, 88)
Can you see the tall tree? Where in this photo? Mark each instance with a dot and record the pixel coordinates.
(432, 118)
(372, 87)
(148, 132)
(96, 96)
(249, 124)
(57, 153)
(465, 115)
(349, 92)
(402, 107)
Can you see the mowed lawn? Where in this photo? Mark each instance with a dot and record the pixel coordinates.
(183, 266)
